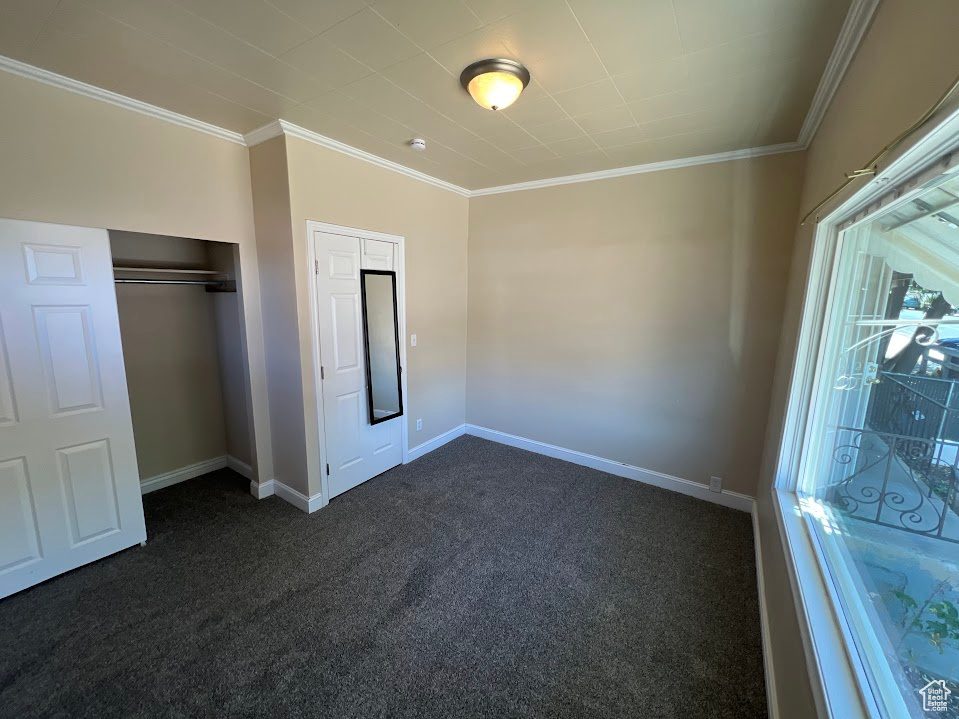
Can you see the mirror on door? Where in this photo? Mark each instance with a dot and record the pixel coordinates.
(381, 336)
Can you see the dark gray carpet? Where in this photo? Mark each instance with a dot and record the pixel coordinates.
(478, 581)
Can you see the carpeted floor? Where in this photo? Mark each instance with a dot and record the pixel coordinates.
(478, 581)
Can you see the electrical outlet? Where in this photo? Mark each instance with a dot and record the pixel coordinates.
(412, 340)
(419, 425)
(715, 484)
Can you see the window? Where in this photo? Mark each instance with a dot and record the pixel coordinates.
(877, 480)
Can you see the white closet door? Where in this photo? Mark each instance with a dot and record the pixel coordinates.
(378, 255)
(356, 450)
(69, 486)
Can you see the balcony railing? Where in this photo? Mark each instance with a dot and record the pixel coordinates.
(902, 469)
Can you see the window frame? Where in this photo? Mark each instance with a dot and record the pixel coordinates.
(837, 674)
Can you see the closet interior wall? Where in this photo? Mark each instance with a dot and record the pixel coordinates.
(183, 354)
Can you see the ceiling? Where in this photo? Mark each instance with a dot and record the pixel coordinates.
(615, 82)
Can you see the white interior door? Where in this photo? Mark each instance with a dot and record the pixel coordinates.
(69, 486)
(356, 450)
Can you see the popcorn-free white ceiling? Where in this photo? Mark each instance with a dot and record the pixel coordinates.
(615, 82)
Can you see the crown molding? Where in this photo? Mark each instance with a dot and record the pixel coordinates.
(850, 35)
(287, 128)
(15, 67)
(641, 169)
(262, 134)
(282, 127)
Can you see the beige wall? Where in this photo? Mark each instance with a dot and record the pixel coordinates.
(233, 382)
(635, 318)
(228, 311)
(907, 59)
(331, 187)
(77, 161)
(73, 160)
(271, 202)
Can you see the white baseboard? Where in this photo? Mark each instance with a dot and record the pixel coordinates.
(263, 489)
(239, 466)
(435, 443)
(733, 500)
(260, 491)
(288, 494)
(298, 500)
(151, 484)
(772, 702)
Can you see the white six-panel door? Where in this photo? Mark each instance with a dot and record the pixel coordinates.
(356, 450)
(69, 486)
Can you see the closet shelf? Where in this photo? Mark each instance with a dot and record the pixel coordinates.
(213, 280)
(167, 271)
(208, 283)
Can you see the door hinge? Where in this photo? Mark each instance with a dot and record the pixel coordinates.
(322, 373)
(316, 266)
(327, 470)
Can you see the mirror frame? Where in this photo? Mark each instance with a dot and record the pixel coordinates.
(366, 347)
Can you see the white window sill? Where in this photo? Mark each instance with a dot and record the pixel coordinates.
(836, 674)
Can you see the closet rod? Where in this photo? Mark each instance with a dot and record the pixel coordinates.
(209, 283)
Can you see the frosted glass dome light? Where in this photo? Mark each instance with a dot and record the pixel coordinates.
(495, 84)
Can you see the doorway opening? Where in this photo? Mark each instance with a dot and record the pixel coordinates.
(359, 351)
(180, 326)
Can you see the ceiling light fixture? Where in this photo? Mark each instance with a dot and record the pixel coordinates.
(495, 84)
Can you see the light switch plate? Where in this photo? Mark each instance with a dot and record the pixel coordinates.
(412, 340)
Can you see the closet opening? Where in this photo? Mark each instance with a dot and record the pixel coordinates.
(183, 349)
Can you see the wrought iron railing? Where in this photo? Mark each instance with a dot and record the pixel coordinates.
(902, 469)
(884, 489)
(914, 405)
